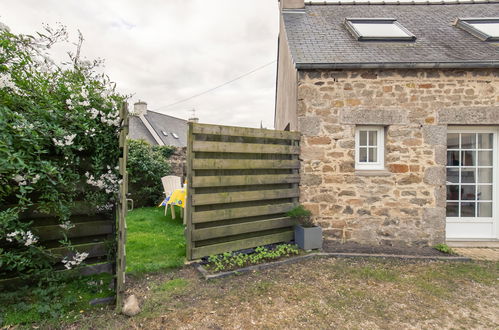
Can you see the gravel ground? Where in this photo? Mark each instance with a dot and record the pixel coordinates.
(317, 293)
(352, 247)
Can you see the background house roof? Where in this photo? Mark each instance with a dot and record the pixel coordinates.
(159, 123)
(318, 38)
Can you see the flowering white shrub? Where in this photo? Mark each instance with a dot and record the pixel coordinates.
(58, 121)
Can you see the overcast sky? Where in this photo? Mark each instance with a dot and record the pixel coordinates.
(163, 51)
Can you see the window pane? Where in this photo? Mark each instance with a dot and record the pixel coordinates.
(453, 209)
(363, 155)
(453, 175)
(453, 193)
(491, 29)
(484, 210)
(373, 138)
(373, 155)
(468, 175)
(468, 141)
(363, 138)
(469, 158)
(453, 158)
(485, 175)
(468, 210)
(383, 29)
(485, 141)
(468, 192)
(484, 193)
(485, 158)
(453, 141)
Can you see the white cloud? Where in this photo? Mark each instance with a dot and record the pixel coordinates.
(164, 51)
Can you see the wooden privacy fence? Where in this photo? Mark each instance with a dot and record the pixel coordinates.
(241, 183)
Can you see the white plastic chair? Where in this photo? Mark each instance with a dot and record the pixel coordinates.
(170, 183)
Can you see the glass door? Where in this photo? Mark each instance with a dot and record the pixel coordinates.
(471, 183)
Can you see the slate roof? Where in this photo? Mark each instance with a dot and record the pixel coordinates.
(160, 123)
(318, 38)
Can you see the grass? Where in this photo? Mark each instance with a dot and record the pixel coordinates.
(154, 241)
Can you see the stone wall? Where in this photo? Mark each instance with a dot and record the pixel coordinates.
(177, 162)
(405, 204)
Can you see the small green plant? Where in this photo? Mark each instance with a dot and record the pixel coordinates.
(444, 248)
(230, 260)
(302, 215)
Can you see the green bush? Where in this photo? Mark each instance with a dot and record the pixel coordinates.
(59, 124)
(302, 215)
(146, 166)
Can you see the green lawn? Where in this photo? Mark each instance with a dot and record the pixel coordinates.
(154, 241)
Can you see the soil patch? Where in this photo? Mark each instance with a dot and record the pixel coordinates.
(352, 247)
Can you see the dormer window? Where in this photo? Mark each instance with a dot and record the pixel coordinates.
(486, 29)
(378, 29)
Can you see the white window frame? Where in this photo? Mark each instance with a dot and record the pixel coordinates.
(380, 164)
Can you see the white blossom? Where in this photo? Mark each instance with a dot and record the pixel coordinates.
(25, 237)
(65, 141)
(75, 261)
(67, 225)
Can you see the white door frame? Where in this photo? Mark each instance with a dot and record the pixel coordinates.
(462, 227)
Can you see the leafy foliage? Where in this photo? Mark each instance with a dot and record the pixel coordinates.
(303, 216)
(146, 166)
(230, 260)
(444, 248)
(58, 141)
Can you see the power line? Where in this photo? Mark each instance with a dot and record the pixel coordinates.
(217, 87)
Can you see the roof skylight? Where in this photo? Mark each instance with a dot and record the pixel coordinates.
(175, 135)
(378, 29)
(486, 29)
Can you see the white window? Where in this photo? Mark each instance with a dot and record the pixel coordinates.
(370, 148)
(378, 29)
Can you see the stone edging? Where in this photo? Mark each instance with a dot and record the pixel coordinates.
(208, 276)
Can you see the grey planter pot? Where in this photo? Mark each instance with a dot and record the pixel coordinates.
(308, 238)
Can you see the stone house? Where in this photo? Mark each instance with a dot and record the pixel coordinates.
(398, 105)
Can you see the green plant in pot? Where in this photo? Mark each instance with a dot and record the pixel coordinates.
(308, 236)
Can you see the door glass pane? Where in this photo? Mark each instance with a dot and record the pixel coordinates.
(362, 155)
(373, 138)
(453, 175)
(453, 141)
(484, 193)
(468, 192)
(485, 141)
(485, 175)
(485, 158)
(469, 158)
(453, 158)
(468, 175)
(468, 210)
(484, 210)
(452, 209)
(453, 193)
(468, 141)
(373, 155)
(363, 138)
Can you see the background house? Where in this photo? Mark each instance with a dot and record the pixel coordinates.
(399, 110)
(157, 128)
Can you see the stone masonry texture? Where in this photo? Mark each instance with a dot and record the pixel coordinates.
(405, 204)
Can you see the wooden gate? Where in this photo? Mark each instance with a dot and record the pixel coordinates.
(122, 209)
(241, 183)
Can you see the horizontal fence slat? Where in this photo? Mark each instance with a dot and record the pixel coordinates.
(244, 131)
(243, 196)
(242, 212)
(241, 228)
(93, 228)
(241, 244)
(98, 249)
(247, 148)
(243, 164)
(243, 180)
